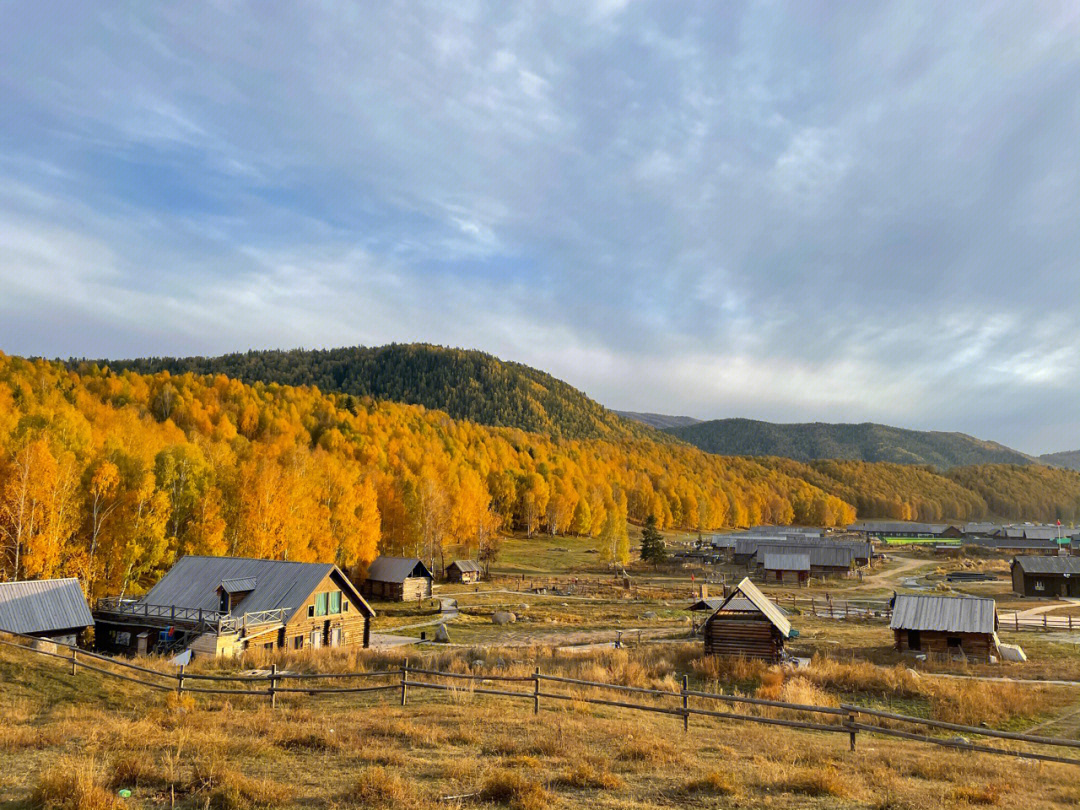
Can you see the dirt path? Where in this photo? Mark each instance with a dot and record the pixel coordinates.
(889, 579)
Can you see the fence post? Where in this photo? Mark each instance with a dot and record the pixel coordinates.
(404, 682)
(536, 691)
(854, 731)
(685, 703)
(73, 660)
(180, 681)
(1016, 619)
(273, 686)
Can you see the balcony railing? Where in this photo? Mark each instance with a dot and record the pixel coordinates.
(201, 618)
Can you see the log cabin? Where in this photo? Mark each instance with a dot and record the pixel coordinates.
(218, 606)
(954, 627)
(464, 571)
(53, 609)
(1046, 576)
(747, 624)
(397, 579)
(786, 568)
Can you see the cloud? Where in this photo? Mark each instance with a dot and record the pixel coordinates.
(777, 210)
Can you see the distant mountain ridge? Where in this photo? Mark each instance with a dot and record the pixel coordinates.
(467, 384)
(659, 421)
(1069, 459)
(816, 441)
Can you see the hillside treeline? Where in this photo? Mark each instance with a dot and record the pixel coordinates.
(467, 384)
(111, 476)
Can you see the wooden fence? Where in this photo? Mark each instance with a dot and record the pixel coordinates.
(540, 687)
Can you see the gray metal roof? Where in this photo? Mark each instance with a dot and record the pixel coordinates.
(786, 562)
(397, 569)
(710, 604)
(1041, 532)
(465, 565)
(238, 585)
(952, 614)
(1012, 543)
(279, 585)
(43, 605)
(1048, 565)
(757, 601)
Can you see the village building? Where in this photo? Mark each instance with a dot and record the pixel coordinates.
(962, 627)
(397, 579)
(747, 624)
(218, 606)
(464, 571)
(1046, 576)
(790, 568)
(53, 609)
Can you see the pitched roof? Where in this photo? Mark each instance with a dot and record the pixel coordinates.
(1041, 532)
(710, 604)
(193, 582)
(757, 602)
(1011, 543)
(464, 565)
(786, 562)
(238, 585)
(43, 605)
(1048, 565)
(953, 614)
(397, 569)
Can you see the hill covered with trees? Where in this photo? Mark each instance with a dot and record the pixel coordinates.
(660, 421)
(466, 384)
(1069, 459)
(862, 442)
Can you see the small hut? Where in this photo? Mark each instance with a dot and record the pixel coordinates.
(954, 626)
(465, 571)
(788, 569)
(398, 579)
(53, 609)
(747, 624)
(1046, 576)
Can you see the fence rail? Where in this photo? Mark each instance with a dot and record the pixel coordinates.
(198, 617)
(842, 719)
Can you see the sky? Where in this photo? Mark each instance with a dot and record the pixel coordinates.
(792, 212)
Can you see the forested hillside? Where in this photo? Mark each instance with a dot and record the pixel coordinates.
(862, 442)
(110, 476)
(1069, 459)
(660, 421)
(466, 384)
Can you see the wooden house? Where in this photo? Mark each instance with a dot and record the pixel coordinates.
(225, 605)
(747, 624)
(465, 571)
(789, 568)
(53, 609)
(1046, 576)
(397, 579)
(962, 627)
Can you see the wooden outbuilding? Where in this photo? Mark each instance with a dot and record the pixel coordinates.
(224, 605)
(963, 627)
(1046, 576)
(465, 571)
(397, 579)
(53, 609)
(786, 568)
(747, 624)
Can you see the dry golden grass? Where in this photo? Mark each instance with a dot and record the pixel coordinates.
(510, 788)
(378, 787)
(73, 784)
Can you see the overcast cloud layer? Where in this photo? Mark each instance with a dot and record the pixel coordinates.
(835, 212)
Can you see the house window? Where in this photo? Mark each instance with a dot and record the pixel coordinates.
(345, 607)
(953, 642)
(914, 642)
(320, 604)
(298, 643)
(310, 611)
(1039, 586)
(335, 602)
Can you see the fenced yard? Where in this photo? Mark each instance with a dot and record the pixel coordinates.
(541, 690)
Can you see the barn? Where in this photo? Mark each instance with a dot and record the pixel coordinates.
(397, 579)
(465, 571)
(786, 568)
(1046, 576)
(747, 624)
(962, 627)
(53, 609)
(218, 606)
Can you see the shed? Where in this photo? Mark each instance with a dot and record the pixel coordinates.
(747, 624)
(463, 571)
(398, 579)
(225, 605)
(1046, 576)
(791, 568)
(46, 608)
(953, 626)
